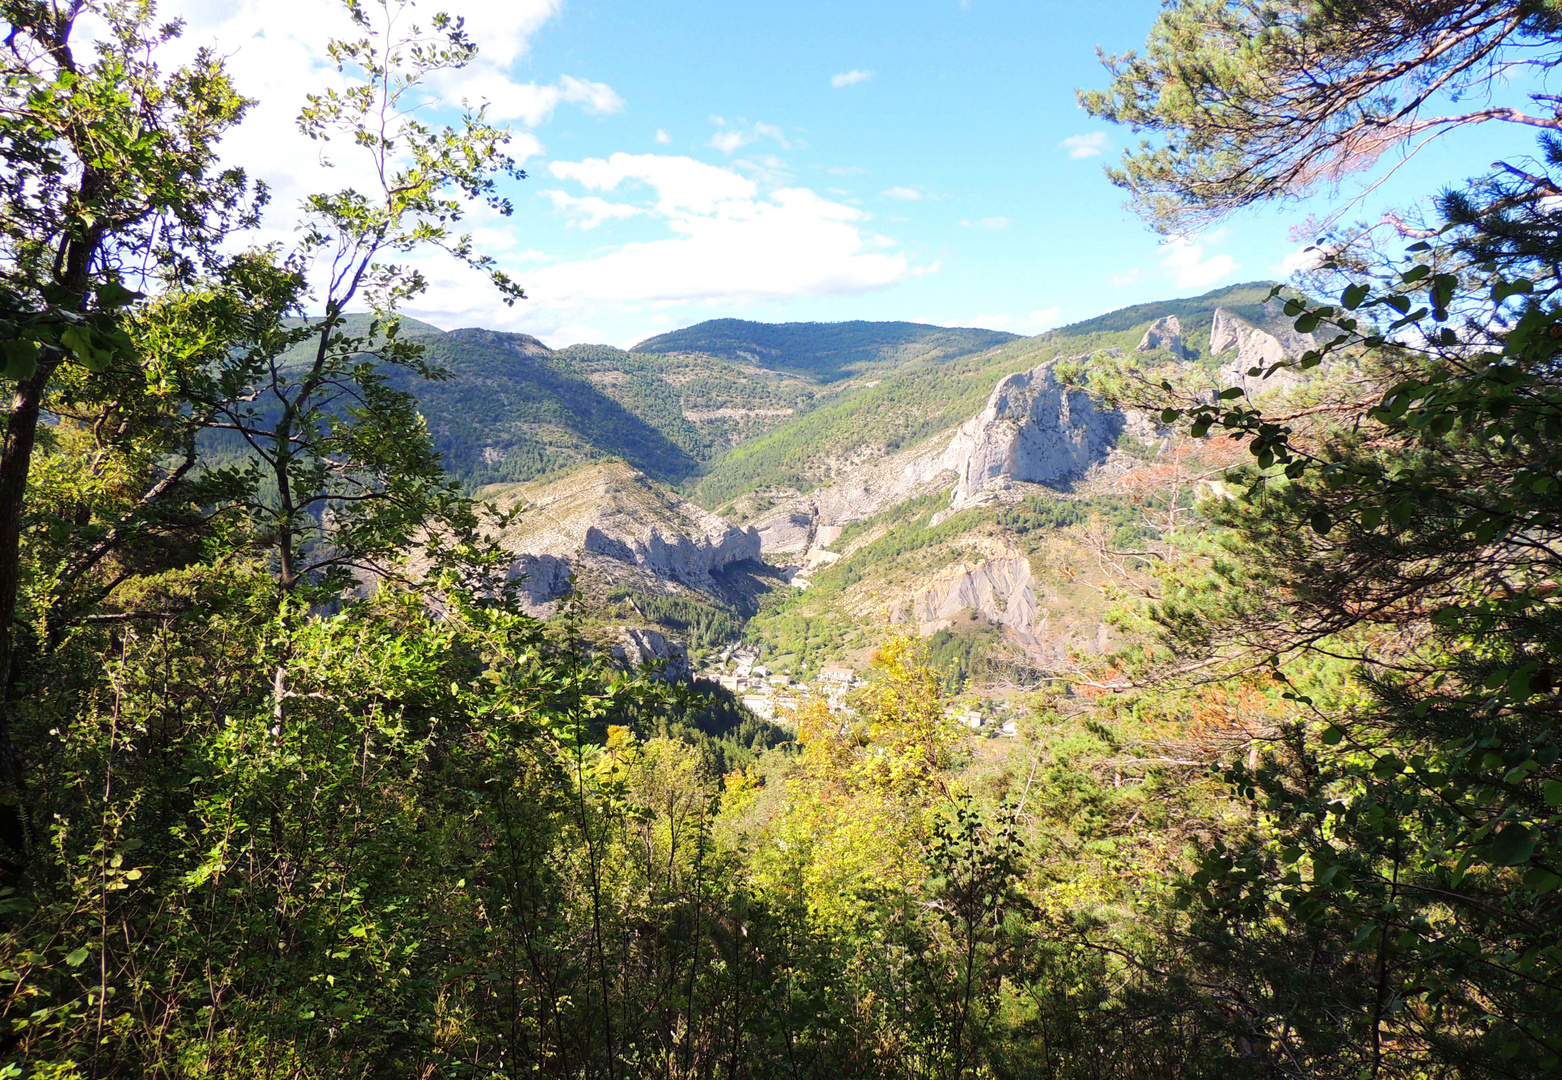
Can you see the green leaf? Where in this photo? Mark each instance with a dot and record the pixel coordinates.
(1511, 846)
(20, 358)
(1553, 792)
(1541, 881)
(76, 957)
(78, 339)
(114, 295)
(1504, 289)
(1307, 323)
(1332, 735)
(1371, 517)
(1321, 522)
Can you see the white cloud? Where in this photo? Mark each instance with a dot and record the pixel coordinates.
(1185, 263)
(1299, 261)
(662, 138)
(994, 223)
(766, 168)
(590, 211)
(1127, 278)
(1033, 323)
(910, 194)
(726, 241)
(734, 136)
(681, 183)
(850, 78)
(530, 103)
(1086, 146)
(846, 170)
(275, 50)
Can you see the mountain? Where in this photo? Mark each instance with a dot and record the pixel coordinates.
(917, 401)
(799, 485)
(512, 409)
(960, 495)
(826, 351)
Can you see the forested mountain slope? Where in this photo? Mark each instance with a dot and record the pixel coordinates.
(920, 400)
(512, 409)
(826, 351)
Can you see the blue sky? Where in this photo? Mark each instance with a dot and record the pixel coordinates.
(919, 160)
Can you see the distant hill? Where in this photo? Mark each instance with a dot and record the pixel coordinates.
(826, 351)
(916, 401)
(511, 409)
(730, 407)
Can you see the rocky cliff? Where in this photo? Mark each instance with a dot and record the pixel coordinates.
(1257, 346)
(1033, 430)
(998, 588)
(613, 519)
(1164, 333)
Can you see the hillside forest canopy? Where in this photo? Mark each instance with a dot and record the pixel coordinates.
(292, 786)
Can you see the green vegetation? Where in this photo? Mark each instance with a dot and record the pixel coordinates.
(290, 786)
(827, 351)
(909, 405)
(699, 623)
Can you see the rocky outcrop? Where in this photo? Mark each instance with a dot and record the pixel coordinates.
(612, 514)
(544, 580)
(638, 647)
(789, 532)
(1257, 346)
(1164, 333)
(1033, 430)
(999, 589)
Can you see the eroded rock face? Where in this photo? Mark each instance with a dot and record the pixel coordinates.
(787, 533)
(545, 579)
(1164, 333)
(638, 646)
(999, 589)
(1258, 347)
(1035, 430)
(611, 512)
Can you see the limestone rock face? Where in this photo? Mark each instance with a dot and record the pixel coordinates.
(638, 646)
(1035, 430)
(999, 589)
(545, 579)
(789, 532)
(611, 512)
(1258, 347)
(1164, 333)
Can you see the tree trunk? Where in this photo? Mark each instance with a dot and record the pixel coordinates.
(15, 461)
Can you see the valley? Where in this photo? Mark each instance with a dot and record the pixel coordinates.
(790, 494)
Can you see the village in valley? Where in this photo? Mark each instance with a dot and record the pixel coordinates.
(775, 695)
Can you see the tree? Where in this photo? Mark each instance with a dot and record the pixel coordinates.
(110, 182)
(1265, 99)
(1404, 525)
(345, 475)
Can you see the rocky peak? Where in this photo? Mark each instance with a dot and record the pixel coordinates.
(1164, 333)
(614, 513)
(1256, 346)
(1034, 430)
